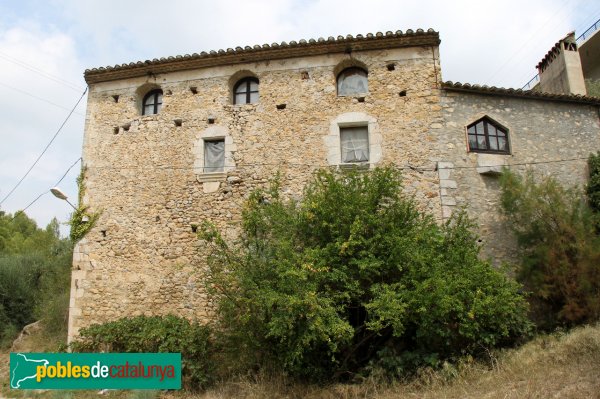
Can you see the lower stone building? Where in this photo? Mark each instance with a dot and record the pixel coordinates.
(172, 142)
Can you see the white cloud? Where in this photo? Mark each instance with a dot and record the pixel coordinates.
(36, 66)
(496, 43)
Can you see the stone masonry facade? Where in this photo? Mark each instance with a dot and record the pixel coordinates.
(145, 173)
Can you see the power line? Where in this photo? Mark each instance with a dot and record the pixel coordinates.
(47, 191)
(45, 149)
(525, 43)
(41, 72)
(37, 97)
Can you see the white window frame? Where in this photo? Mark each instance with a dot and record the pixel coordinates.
(353, 119)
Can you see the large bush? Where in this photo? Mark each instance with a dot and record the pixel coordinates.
(34, 276)
(560, 248)
(168, 334)
(354, 276)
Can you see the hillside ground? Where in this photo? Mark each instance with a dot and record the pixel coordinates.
(561, 365)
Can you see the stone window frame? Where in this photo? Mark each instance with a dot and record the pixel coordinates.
(498, 126)
(213, 133)
(353, 119)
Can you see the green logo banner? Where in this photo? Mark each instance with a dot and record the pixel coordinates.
(95, 370)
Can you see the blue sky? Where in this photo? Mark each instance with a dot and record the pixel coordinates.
(46, 45)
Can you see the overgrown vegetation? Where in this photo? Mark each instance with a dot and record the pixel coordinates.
(82, 220)
(353, 279)
(34, 276)
(557, 233)
(155, 334)
(593, 186)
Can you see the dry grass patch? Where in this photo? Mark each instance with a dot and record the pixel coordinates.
(555, 366)
(563, 365)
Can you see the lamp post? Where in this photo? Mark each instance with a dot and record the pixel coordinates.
(60, 195)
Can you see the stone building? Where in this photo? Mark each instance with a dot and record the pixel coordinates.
(172, 142)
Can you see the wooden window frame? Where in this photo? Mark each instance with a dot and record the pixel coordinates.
(153, 94)
(247, 91)
(486, 134)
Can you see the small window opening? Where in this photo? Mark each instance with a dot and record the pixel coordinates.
(178, 122)
(304, 75)
(352, 81)
(360, 99)
(281, 106)
(486, 135)
(354, 144)
(402, 93)
(194, 89)
(116, 98)
(194, 228)
(390, 67)
(214, 155)
(126, 127)
(246, 91)
(103, 233)
(116, 130)
(152, 102)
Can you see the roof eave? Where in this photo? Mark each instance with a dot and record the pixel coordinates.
(347, 44)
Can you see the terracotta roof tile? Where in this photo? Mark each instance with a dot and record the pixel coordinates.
(501, 91)
(257, 52)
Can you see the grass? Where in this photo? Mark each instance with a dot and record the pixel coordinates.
(561, 365)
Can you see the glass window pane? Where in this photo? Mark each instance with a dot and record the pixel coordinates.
(253, 86)
(472, 142)
(149, 109)
(354, 143)
(491, 130)
(502, 144)
(481, 144)
(501, 133)
(159, 98)
(479, 128)
(158, 107)
(254, 97)
(471, 130)
(214, 156)
(493, 143)
(240, 98)
(352, 81)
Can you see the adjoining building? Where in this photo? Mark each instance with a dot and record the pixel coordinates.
(172, 142)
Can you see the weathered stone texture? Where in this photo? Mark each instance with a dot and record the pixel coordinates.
(143, 257)
(548, 137)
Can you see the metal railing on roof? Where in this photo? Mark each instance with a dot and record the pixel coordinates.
(581, 38)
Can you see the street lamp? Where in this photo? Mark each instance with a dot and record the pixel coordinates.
(60, 195)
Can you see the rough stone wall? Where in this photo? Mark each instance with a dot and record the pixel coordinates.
(540, 133)
(143, 171)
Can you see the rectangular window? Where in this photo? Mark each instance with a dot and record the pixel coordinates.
(354, 143)
(214, 155)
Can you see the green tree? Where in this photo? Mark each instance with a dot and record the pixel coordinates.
(354, 276)
(560, 248)
(34, 275)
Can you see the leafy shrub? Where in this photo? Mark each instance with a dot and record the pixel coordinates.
(155, 334)
(560, 248)
(593, 187)
(355, 276)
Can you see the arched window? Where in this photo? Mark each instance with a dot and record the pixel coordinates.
(485, 135)
(152, 102)
(352, 81)
(246, 91)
